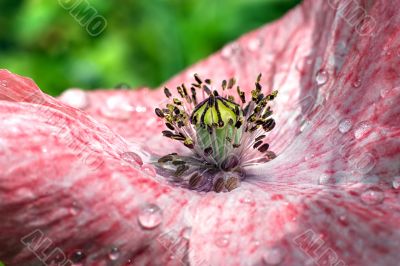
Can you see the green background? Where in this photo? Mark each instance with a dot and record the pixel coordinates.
(145, 42)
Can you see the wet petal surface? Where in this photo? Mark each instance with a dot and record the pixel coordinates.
(329, 198)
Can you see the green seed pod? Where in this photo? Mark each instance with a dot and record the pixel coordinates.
(214, 120)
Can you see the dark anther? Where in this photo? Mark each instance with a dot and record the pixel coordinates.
(207, 89)
(178, 137)
(221, 123)
(269, 125)
(231, 183)
(180, 91)
(184, 90)
(270, 154)
(197, 78)
(208, 81)
(176, 110)
(170, 126)
(167, 92)
(258, 87)
(236, 146)
(181, 124)
(257, 144)
(219, 185)
(208, 151)
(159, 113)
(181, 170)
(231, 83)
(260, 137)
(194, 180)
(229, 163)
(189, 143)
(264, 147)
(177, 101)
(167, 133)
(165, 159)
(177, 162)
(196, 85)
(238, 124)
(224, 84)
(241, 95)
(259, 78)
(215, 93)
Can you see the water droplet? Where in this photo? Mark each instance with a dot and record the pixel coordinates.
(247, 200)
(140, 109)
(74, 208)
(396, 183)
(150, 216)
(230, 50)
(186, 232)
(77, 257)
(322, 77)
(356, 83)
(114, 254)
(366, 163)
(3, 83)
(384, 92)
(222, 241)
(361, 129)
(373, 196)
(324, 179)
(117, 107)
(149, 170)
(132, 158)
(345, 126)
(274, 256)
(254, 44)
(76, 98)
(304, 62)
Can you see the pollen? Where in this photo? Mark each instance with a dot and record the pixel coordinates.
(223, 132)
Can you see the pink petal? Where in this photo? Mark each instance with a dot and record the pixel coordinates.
(350, 138)
(91, 199)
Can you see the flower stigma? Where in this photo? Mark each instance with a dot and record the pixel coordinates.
(224, 133)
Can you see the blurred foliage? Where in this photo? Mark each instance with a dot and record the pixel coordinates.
(145, 42)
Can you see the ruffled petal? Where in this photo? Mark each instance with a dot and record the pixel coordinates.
(69, 184)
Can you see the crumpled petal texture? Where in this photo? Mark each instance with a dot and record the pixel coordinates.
(327, 199)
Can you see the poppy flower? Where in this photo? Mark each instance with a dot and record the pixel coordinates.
(80, 183)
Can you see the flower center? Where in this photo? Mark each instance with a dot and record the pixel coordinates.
(224, 135)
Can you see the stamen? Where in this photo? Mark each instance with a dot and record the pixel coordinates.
(224, 136)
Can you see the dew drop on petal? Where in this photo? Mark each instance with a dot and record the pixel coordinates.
(77, 257)
(230, 50)
(396, 183)
(254, 44)
(384, 92)
(345, 126)
(76, 98)
(356, 83)
(149, 170)
(150, 216)
(132, 158)
(3, 83)
(361, 129)
(114, 254)
(186, 232)
(366, 163)
(117, 107)
(222, 241)
(372, 196)
(322, 77)
(274, 256)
